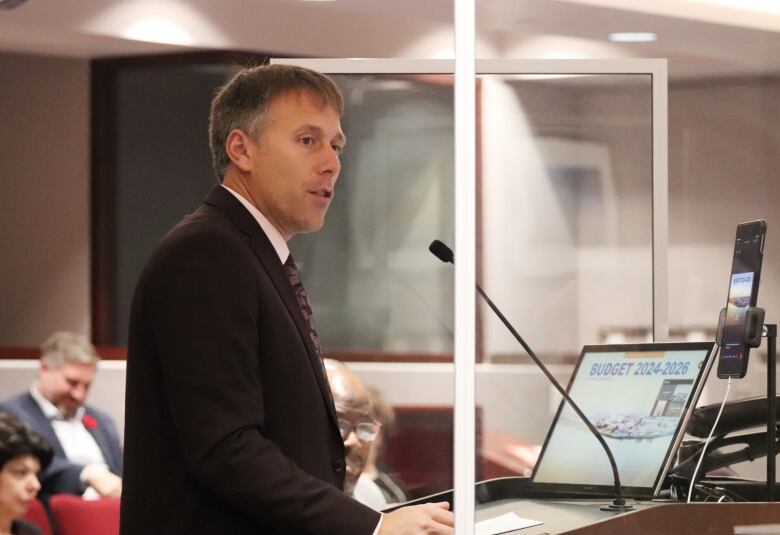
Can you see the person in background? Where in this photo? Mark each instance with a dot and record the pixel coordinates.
(376, 487)
(22, 455)
(356, 421)
(87, 454)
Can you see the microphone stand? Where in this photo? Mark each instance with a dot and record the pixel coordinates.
(444, 253)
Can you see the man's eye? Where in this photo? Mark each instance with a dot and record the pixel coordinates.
(307, 140)
(338, 149)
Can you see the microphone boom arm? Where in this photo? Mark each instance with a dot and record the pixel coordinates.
(445, 254)
(619, 500)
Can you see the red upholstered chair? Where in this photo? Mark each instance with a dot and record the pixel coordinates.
(76, 516)
(37, 515)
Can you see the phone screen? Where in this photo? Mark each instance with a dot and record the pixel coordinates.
(743, 292)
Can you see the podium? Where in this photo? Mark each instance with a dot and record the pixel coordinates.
(559, 515)
(580, 517)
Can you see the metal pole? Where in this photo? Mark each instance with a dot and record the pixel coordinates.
(465, 270)
(771, 446)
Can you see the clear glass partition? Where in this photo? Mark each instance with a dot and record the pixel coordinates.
(375, 286)
(572, 238)
(566, 240)
(383, 302)
(571, 186)
(566, 213)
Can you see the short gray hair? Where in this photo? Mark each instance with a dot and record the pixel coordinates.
(68, 348)
(244, 102)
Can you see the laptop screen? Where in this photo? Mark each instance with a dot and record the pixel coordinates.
(639, 397)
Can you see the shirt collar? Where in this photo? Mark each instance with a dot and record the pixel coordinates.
(280, 246)
(49, 410)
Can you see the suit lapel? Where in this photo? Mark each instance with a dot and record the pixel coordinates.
(271, 264)
(43, 424)
(279, 278)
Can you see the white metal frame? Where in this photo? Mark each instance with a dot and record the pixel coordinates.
(657, 69)
(465, 69)
(465, 268)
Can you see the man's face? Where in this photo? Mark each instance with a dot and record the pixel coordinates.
(295, 163)
(351, 413)
(18, 485)
(66, 386)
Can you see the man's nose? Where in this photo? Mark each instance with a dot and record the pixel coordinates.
(331, 163)
(79, 393)
(351, 441)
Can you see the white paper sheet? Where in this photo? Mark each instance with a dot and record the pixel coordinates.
(758, 529)
(503, 523)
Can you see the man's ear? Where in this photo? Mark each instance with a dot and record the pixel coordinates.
(240, 149)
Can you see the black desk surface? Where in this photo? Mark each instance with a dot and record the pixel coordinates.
(558, 516)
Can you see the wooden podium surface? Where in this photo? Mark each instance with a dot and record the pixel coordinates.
(580, 517)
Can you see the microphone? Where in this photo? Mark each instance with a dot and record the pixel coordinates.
(442, 252)
(445, 254)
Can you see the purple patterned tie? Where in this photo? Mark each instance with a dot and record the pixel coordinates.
(303, 301)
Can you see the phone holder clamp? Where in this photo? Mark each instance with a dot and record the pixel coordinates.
(754, 327)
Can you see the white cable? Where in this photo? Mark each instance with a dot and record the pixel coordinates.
(706, 442)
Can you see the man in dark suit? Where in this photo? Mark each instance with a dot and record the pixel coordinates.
(87, 455)
(230, 425)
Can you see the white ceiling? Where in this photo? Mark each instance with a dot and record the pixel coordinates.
(699, 37)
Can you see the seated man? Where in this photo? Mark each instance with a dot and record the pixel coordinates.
(87, 455)
(377, 487)
(356, 421)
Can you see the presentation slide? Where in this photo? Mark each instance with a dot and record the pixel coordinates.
(636, 401)
(739, 297)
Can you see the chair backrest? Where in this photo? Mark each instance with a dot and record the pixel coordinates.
(420, 451)
(36, 514)
(74, 515)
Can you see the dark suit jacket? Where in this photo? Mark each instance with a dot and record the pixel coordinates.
(229, 423)
(62, 475)
(22, 527)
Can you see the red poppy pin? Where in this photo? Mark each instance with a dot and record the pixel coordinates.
(89, 422)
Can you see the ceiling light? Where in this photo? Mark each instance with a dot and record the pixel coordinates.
(158, 30)
(765, 6)
(632, 37)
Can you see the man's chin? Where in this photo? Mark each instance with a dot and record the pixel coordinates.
(351, 478)
(311, 226)
(67, 412)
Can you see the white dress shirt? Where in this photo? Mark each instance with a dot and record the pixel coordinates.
(280, 246)
(367, 492)
(79, 445)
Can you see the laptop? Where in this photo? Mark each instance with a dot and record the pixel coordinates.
(639, 397)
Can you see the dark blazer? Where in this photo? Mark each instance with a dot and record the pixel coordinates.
(22, 527)
(62, 475)
(229, 425)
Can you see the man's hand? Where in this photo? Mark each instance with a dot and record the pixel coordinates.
(106, 484)
(428, 518)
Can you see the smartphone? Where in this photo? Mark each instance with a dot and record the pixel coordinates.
(743, 292)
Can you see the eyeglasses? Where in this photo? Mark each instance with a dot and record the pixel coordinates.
(365, 431)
